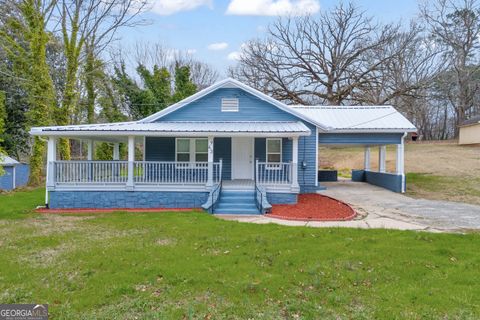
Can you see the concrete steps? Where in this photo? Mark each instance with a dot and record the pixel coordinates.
(237, 202)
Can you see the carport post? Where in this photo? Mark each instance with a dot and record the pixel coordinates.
(366, 160)
(400, 164)
(382, 155)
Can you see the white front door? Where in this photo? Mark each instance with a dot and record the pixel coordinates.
(242, 158)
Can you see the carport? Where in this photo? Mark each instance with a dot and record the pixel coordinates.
(366, 126)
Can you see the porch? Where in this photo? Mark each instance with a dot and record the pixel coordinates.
(238, 171)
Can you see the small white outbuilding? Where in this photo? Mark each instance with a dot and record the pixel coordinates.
(470, 131)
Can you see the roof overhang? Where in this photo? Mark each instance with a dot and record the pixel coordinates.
(118, 131)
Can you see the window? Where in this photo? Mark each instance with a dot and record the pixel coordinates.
(229, 105)
(201, 150)
(183, 150)
(191, 150)
(274, 151)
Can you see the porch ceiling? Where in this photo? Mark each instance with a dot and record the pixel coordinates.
(176, 128)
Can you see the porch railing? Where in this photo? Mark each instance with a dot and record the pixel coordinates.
(274, 173)
(153, 172)
(79, 172)
(144, 172)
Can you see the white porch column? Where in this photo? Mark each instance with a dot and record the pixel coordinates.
(400, 163)
(295, 163)
(210, 162)
(366, 160)
(116, 151)
(51, 158)
(90, 150)
(131, 159)
(382, 156)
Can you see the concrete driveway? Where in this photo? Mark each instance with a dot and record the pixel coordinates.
(438, 215)
(380, 208)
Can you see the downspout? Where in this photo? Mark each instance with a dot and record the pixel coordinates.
(404, 182)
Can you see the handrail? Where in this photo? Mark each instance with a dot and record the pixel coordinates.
(216, 191)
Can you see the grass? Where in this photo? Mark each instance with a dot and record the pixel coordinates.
(463, 189)
(194, 266)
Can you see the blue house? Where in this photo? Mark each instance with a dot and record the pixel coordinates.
(228, 148)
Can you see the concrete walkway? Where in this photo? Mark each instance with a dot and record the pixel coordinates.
(380, 208)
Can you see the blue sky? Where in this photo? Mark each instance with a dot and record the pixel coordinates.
(224, 25)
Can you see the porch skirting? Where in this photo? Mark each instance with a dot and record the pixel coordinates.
(125, 199)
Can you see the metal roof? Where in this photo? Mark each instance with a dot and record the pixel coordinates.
(177, 127)
(7, 161)
(357, 118)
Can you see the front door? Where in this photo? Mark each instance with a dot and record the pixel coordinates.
(242, 158)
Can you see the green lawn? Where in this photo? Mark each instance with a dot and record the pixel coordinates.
(194, 266)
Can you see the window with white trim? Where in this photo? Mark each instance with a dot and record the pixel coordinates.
(230, 104)
(274, 151)
(191, 150)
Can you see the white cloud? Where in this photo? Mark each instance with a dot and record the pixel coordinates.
(191, 51)
(217, 46)
(168, 7)
(234, 56)
(273, 7)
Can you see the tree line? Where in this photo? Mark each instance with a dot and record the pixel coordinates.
(428, 69)
(59, 66)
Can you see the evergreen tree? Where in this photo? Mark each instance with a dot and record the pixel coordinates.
(184, 87)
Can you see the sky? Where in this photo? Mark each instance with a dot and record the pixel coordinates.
(213, 31)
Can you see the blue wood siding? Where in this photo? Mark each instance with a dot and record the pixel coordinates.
(159, 149)
(6, 180)
(360, 138)
(208, 108)
(222, 148)
(261, 149)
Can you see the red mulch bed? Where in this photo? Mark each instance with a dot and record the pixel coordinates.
(313, 207)
(80, 211)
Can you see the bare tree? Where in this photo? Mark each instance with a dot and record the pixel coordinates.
(149, 55)
(455, 25)
(91, 25)
(315, 60)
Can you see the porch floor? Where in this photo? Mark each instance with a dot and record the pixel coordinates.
(238, 185)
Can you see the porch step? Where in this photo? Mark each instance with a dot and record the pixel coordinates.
(236, 202)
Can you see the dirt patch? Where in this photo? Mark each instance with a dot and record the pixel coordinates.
(313, 207)
(166, 242)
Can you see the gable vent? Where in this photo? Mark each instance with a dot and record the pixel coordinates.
(229, 105)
